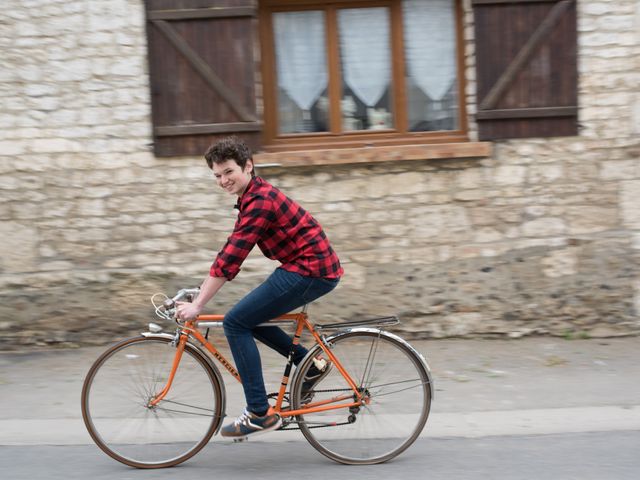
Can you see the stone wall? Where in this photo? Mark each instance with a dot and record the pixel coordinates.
(542, 237)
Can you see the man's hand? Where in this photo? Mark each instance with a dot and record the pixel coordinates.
(187, 311)
(209, 287)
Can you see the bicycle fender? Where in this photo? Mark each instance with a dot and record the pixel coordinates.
(423, 361)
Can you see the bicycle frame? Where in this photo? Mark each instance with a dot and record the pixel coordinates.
(190, 329)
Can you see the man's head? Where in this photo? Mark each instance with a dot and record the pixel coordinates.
(232, 165)
(230, 148)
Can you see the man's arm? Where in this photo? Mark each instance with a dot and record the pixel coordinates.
(256, 217)
(208, 289)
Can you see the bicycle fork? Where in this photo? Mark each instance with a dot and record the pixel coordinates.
(181, 338)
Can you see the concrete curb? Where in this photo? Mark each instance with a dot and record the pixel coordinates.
(71, 431)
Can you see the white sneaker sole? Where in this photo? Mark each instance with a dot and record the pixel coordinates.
(243, 438)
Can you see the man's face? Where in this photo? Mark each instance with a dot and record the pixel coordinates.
(231, 177)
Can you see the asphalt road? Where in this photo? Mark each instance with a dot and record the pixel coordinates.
(581, 456)
(536, 408)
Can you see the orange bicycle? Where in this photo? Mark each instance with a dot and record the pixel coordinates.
(155, 400)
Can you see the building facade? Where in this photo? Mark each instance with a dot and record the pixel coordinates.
(445, 214)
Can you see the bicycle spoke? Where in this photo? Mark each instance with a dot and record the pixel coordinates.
(187, 405)
(369, 365)
(417, 385)
(171, 410)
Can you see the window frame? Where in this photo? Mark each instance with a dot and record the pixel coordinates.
(399, 135)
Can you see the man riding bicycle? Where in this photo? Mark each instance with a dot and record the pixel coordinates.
(309, 269)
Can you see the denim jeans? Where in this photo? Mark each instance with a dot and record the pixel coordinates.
(281, 293)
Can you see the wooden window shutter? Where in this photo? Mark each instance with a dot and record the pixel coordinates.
(526, 64)
(202, 73)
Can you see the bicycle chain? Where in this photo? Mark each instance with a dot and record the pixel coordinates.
(315, 426)
(273, 395)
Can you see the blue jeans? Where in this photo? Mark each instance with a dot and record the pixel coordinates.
(281, 293)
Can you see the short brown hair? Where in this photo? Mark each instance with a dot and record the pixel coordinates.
(229, 148)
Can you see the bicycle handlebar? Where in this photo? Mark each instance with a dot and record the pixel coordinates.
(186, 293)
(167, 310)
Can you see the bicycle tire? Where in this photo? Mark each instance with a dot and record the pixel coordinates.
(396, 380)
(115, 398)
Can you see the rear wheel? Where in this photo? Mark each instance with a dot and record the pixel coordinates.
(116, 396)
(395, 384)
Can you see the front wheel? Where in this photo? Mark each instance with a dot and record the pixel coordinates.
(394, 382)
(116, 403)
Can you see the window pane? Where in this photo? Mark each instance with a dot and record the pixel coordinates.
(301, 69)
(430, 43)
(365, 56)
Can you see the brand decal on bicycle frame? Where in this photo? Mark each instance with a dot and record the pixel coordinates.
(218, 356)
(226, 364)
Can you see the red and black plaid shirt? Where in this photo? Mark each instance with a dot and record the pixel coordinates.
(283, 230)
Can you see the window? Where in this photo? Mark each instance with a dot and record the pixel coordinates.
(362, 72)
(354, 73)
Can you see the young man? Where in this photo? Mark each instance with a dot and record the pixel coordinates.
(309, 269)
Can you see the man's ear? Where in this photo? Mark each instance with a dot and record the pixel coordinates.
(248, 167)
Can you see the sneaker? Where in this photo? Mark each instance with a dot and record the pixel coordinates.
(250, 424)
(314, 375)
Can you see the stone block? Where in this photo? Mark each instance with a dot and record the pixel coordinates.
(58, 265)
(636, 301)
(534, 211)
(439, 221)
(394, 230)
(91, 208)
(545, 173)
(307, 195)
(635, 112)
(544, 227)
(629, 201)
(19, 247)
(591, 219)
(482, 216)
(408, 183)
(157, 245)
(510, 175)
(338, 207)
(473, 178)
(345, 190)
(374, 215)
(486, 235)
(55, 145)
(596, 8)
(394, 242)
(469, 195)
(619, 170)
(560, 263)
(354, 276)
(461, 324)
(510, 215)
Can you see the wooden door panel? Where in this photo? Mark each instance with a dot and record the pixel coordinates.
(202, 73)
(526, 68)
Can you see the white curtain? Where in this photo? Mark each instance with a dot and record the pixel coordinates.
(300, 55)
(364, 46)
(430, 44)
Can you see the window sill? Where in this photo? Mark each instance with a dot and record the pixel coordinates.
(373, 154)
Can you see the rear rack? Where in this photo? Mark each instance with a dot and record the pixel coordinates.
(392, 320)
